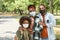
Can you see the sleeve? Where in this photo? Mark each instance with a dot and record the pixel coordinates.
(30, 36)
(18, 34)
(52, 22)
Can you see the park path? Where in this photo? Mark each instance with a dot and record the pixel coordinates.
(8, 28)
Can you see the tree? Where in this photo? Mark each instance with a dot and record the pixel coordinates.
(56, 6)
(11, 5)
(1, 3)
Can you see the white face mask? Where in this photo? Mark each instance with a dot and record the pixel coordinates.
(25, 25)
(32, 13)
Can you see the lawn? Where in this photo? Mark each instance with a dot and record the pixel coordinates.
(58, 37)
(58, 22)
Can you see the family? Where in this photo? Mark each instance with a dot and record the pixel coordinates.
(36, 26)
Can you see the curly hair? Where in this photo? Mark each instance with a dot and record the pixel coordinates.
(22, 19)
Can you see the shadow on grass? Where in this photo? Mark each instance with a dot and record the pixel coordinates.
(57, 36)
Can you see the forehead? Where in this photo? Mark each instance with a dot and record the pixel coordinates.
(41, 6)
(26, 21)
(31, 8)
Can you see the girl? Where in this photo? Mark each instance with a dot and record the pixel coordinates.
(23, 31)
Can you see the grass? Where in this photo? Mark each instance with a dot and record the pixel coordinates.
(57, 32)
(58, 22)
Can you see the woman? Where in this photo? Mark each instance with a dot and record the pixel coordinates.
(23, 31)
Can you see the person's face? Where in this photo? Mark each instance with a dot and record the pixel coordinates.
(42, 7)
(31, 9)
(25, 22)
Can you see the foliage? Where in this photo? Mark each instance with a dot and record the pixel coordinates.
(11, 5)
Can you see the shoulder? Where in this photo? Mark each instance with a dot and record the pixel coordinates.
(38, 14)
(49, 14)
(20, 28)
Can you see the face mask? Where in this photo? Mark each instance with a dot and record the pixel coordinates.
(32, 14)
(42, 11)
(25, 25)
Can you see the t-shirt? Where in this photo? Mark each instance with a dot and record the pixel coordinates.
(44, 33)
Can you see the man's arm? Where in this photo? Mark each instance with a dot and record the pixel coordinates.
(42, 23)
(52, 22)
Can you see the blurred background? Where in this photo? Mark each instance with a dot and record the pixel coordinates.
(12, 10)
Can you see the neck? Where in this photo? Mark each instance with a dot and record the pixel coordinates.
(24, 28)
(43, 14)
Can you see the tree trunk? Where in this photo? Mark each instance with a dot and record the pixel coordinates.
(51, 6)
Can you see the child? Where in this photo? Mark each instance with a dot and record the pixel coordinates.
(23, 31)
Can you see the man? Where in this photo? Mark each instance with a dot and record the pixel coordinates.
(32, 14)
(35, 27)
(47, 21)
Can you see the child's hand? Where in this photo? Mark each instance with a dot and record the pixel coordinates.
(21, 31)
(31, 31)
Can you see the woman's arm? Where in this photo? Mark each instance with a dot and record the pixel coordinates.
(52, 22)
